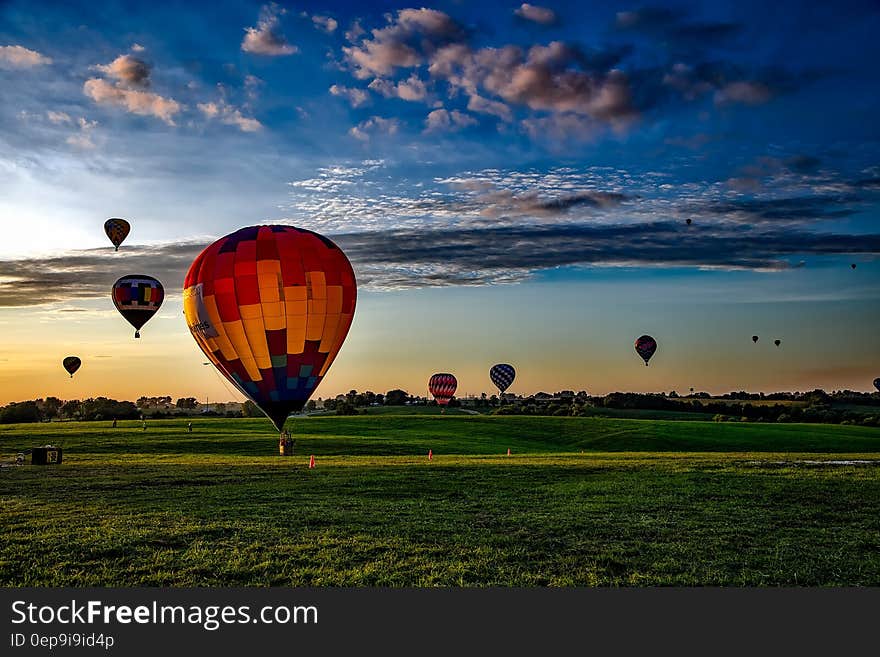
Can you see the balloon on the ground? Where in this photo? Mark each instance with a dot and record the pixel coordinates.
(137, 298)
(71, 364)
(117, 230)
(442, 385)
(502, 376)
(270, 307)
(645, 347)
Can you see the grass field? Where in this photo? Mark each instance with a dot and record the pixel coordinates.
(580, 502)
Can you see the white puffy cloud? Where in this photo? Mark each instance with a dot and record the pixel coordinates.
(19, 57)
(134, 101)
(266, 38)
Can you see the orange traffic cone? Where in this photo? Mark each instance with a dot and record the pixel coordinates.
(312, 462)
(508, 451)
(430, 454)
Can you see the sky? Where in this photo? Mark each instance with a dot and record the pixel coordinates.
(511, 183)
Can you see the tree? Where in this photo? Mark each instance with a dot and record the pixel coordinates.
(20, 412)
(249, 409)
(396, 397)
(71, 409)
(187, 402)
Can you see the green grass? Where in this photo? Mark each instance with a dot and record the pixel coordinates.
(581, 502)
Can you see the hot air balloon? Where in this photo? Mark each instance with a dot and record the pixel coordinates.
(117, 230)
(442, 386)
(877, 384)
(777, 342)
(71, 364)
(270, 307)
(137, 298)
(853, 265)
(502, 376)
(688, 221)
(645, 347)
(754, 338)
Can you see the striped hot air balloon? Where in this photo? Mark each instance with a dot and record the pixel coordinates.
(442, 386)
(270, 306)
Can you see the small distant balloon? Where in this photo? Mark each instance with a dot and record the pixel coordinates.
(645, 347)
(502, 376)
(117, 230)
(754, 338)
(137, 298)
(688, 221)
(71, 364)
(853, 265)
(777, 342)
(442, 385)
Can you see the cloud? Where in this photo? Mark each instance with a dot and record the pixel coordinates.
(266, 38)
(58, 117)
(798, 210)
(411, 89)
(136, 47)
(391, 259)
(127, 69)
(356, 97)
(325, 23)
(19, 57)
(550, 78)
(404, 43)
(354, 32)
(442, 120)
(143, 103)
(229, 115)
(536, 14)
(375, 124)
(83, 139)
(671, 28)
(746, 92)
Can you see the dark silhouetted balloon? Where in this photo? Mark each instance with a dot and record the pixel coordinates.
(853, 265)
(137, 298)
(777, 342)
(442, 386)
(877, 384)
(754, 338)
(688, 221)
(117, 230)
(645, 347)
(270, 306)
(71, 364)
(502, 376)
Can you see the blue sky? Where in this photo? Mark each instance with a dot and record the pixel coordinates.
(532, 163)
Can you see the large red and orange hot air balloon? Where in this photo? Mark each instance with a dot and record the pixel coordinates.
(442, 386)
(270, 306)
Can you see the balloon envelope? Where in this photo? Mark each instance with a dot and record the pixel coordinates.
(71, 364)
(877, 384)
(645, 347)
(777, 342)
(270, 307)
(137, 298)
(754, 338)
(442, 386)
(502, 376)
(117, 230)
